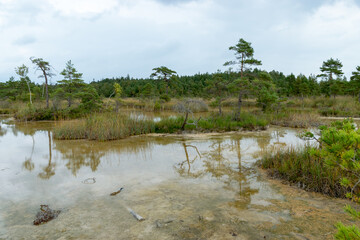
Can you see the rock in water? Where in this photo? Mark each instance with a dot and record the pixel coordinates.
(45, 214)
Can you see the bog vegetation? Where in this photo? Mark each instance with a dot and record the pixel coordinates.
(237, 98)
(330, 166)
(328, 94)
(111, 126)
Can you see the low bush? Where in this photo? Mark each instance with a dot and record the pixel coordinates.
(169, 125)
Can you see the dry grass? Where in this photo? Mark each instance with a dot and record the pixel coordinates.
(341, 106)
(103, 127)
(296, 120)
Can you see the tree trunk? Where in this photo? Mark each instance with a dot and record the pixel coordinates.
(359, 97)
(238, 111)
(29, 92)
(46, 90)
(242, 66)
(69, 101)
(220, 112)
(167, 86)
(184, 123)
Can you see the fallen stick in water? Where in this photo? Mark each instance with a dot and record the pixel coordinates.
(117, 192)
(132, 212)
(137, 216)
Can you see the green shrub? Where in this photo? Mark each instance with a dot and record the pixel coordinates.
(329, 112)
(169, 125)
(157, 106)
(165, 97)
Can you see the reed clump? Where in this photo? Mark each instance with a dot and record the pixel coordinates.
(111, 126)
(226, 122)
(299, 167)
(103, 127)
(296, 119)
(340, 106)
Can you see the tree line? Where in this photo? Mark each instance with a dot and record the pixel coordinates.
(164, 83)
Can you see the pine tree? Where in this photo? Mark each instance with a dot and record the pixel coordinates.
(72, 82)
(165, 74)
(355, 79)
(329, 69)
(23, 71)
(45, 69)
(244, 57)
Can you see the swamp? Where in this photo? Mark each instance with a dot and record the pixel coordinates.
(243, 152)
(184, 186)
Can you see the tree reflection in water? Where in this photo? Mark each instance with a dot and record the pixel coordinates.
(28, 164)
(184, 167)
(232, 173)
(80, 154)
(49, 170)
(27, 131)
(242, 177)
(2, 131)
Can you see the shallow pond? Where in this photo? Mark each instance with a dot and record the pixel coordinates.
(185, 186)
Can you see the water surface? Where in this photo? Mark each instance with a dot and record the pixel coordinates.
(185, 186)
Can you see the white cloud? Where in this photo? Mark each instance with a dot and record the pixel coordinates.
(332, 25)
(83, 8)
(115, 37)
(330, 30)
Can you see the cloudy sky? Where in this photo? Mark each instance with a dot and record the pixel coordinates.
(110, 38)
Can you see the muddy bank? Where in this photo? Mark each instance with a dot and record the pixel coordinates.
(208, 213)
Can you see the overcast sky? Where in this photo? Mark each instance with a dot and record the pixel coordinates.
(110, 38)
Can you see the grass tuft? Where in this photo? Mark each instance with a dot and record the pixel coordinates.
(298, 166)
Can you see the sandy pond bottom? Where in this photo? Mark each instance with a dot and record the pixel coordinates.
(213, 193)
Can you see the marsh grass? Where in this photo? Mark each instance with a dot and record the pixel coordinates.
(295, 119)
(341, 106)
(297, 166)
(233, 102)
(169, 125)
(111, 126)
(155, 104)
(226, 122)
(34, 113)
(103, 127)
(6, 111)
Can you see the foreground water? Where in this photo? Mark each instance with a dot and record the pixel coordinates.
(185, 186)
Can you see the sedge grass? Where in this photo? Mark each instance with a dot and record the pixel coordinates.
(298, 166)
(103, 127)
(111, 126)
(296, 119)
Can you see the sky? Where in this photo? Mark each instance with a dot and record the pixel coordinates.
(113, 38)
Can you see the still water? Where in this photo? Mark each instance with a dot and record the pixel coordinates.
(185, 186)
